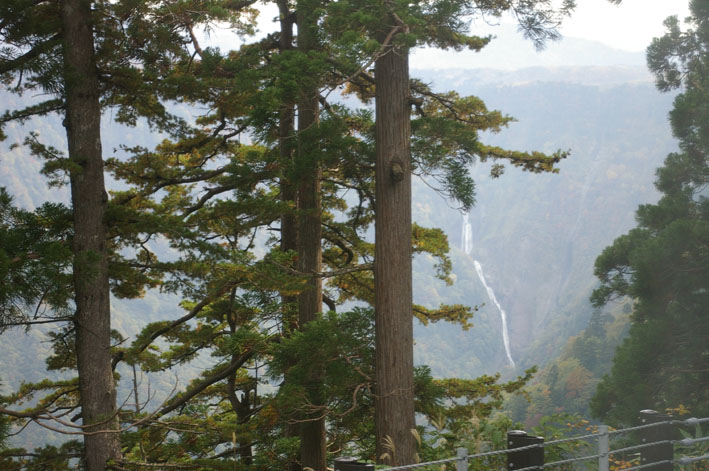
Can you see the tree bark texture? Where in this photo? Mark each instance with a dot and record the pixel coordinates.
(313, 449)
(289, 193)
(289, 222)
(93, 313)
(392, 263)
(286, 139)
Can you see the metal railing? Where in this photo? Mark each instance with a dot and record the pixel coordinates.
(656, 449)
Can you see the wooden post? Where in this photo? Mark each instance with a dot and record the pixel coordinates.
(663, 451)
(525, 458)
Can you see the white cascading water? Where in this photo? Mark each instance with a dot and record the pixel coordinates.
(467, 246)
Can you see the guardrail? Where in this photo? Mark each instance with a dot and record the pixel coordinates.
(526, 452)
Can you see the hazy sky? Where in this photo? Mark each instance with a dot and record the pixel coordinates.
(630, 25)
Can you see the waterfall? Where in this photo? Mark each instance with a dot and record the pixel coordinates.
(467, 246)
(503, 315)
(467, 235)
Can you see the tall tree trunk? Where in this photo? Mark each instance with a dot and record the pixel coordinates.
(313, 451)
(289, 224)
(392, 262)
(93, 313)
(289, 192)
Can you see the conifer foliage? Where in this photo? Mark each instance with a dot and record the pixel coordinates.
(663, 263)
(65, 49)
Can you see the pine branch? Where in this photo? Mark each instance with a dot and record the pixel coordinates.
(158, 333)
(201, 386)
(39, 49)
(40, 109)
(328, 274)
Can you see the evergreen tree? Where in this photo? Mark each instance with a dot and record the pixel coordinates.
(448, 120)
(92, 320)
(392, 258)
(662, 264)
(68, 24)
(308, 173)
(81, 53)
(34, 256)
(396, 29)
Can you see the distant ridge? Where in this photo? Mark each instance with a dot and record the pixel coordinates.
(510, 51)
(460, 78)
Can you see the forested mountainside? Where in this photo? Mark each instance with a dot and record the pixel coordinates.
(536, 236)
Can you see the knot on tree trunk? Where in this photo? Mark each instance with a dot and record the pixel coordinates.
(396, 171)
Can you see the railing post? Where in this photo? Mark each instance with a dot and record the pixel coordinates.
(524, 458)
(603, 448)
(660, 433)
(462, 463)
(351, 464)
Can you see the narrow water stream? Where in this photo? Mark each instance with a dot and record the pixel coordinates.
(467, 246)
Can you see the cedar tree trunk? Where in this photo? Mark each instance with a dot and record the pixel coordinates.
(289, 223)
(93, 313)
(394, 417)
(313, 451)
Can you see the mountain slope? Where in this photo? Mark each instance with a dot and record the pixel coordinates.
(538, 235)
